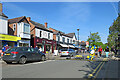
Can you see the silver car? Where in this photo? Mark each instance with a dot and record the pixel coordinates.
(67, 52)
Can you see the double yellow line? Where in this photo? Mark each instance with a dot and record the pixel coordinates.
(96, 69)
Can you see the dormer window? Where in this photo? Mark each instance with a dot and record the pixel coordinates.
(14, 27)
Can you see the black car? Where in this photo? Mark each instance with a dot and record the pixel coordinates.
(22, 54)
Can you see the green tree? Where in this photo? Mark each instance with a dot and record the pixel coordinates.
(94, 39)
(114, 30)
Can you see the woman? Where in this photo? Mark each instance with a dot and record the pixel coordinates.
(107, 52)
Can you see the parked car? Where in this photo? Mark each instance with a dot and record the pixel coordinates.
(22, 55)
(67, 52)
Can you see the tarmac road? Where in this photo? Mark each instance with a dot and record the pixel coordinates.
(49, 69)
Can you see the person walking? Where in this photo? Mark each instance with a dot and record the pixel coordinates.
(100, 51)
(107, 52)
(40, 49)
(36, 47)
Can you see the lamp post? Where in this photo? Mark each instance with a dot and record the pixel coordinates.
(78, 40)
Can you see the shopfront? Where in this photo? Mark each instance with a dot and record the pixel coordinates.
(24, 43)
(46, 45)
(9, 40)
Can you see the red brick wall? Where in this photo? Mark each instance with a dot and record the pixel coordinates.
(11, 26)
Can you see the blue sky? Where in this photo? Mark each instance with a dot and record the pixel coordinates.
(68, 16)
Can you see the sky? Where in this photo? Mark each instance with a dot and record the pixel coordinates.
(68, 16)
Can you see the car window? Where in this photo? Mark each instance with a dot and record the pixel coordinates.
(21, 49)
(32, 49)
(27, 49)
(11, 49)
(64, 50)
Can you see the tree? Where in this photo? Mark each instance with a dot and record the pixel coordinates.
(114, 30)
(94, 39)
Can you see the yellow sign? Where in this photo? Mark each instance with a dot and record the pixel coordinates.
(9, 37)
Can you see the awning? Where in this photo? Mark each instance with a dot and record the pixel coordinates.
(63, 45)
(9, 37)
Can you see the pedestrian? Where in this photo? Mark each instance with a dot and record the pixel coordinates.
(40, 49)
(7, 47)
(36, 47)
(100, 51)
(31, 46)
(107, 52)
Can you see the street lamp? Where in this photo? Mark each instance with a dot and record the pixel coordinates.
(78, 39)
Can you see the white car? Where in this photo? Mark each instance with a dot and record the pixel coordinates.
(67, 52)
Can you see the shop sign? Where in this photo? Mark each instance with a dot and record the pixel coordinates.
(9, 38)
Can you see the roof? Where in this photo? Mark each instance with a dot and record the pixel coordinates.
(2, 14)
(57, 31)
(71, 34)
(41, 26)
(62, 33)
(16, 20)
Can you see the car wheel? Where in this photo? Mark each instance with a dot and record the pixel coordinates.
(43, 58)
(9, 62)
(22, 60)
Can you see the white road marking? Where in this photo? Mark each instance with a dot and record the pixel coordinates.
(29, 63)
(39, 62)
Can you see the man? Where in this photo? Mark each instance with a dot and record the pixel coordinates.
(100, 51)
(36, 48)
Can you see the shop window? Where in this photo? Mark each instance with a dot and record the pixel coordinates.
(40, 33)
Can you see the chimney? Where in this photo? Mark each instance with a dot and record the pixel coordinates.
(0, 7)
(29, 19)
(46, 24)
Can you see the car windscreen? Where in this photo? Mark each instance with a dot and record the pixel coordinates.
(64, 50)
(11, 49)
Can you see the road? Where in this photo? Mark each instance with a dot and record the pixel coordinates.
(61, 69)
(48, 69)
